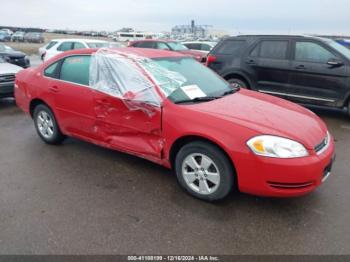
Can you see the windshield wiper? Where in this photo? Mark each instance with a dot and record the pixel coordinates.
(232, 91)
(198, 99)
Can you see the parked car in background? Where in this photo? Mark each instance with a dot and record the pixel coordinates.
(14, 57)
(42, 50)
(8, 31)
(58, 46)
(7, 78)
(344, 42)
(307, 70)
(201, 46)
(34, 37)
(129, 36)
(4, 36)
(18, 36)
(170, 46)
(168, 108)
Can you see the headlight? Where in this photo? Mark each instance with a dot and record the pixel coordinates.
(274, 146)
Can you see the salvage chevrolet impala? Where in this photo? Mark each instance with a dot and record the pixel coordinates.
(168, 108)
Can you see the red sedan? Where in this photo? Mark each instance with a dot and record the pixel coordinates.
(169, 45)
(170, 109)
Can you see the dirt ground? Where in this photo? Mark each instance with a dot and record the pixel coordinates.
(32, 48)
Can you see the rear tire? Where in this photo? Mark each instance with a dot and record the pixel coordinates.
(349, 108)
(46, 125)
(204, 171)
(238, 83)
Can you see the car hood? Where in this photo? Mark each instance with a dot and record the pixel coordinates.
(192, 53)
(14, 54)
(7, 68)
(269, 115)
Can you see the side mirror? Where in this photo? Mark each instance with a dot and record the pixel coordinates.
(333, 62)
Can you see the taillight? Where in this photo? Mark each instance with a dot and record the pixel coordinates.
(210, 59)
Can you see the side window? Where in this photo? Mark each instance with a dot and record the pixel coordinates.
(51, 71)
(65, 46)
(312, 52)
(255, 51)
(78, 45)
(229, 47)
(75, 69)
(162, 46)
(274, 49)
(189, 46)
(205, 47)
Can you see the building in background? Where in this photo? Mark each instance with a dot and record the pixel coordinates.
(191, 31)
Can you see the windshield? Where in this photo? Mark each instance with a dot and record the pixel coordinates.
(5, 48)
(340, 48)
(97, 45)
(177, 46)
(183, 79)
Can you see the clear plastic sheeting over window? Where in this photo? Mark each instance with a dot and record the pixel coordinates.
(132, 78)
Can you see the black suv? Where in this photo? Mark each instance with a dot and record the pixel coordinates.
(308, 70)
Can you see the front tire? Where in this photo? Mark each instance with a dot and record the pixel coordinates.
(237, 83)
(46, 125)
(204, 171)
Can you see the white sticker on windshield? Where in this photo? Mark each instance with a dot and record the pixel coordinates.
(193, 91)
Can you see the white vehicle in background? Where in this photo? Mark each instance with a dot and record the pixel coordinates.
(7, 78)
(8, 31)
(42, 50)
(58, 46)
(201, 46)
(129, 36)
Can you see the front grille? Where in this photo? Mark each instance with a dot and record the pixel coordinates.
(323, 145)
(17, 61)
(290, 185)
(7, 78)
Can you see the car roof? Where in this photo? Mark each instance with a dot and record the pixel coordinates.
(254, 37)
(199, 42)
(275, 36)
(156, 40)
(144, 52)
(80, 40)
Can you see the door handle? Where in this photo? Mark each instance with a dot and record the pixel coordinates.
(300, 67)
(53, 89)
(251, 62)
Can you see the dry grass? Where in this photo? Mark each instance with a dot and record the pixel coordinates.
(32, 48)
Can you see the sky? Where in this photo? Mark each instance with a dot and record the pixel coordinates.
(232, 16)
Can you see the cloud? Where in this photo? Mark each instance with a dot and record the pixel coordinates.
(265, 16)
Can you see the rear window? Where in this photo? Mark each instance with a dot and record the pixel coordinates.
(144, 44)
(97, 45)
(229, 47)
(51, 44)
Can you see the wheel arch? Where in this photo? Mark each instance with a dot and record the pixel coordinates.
(182, 141)
(34, 103)
(240, 76)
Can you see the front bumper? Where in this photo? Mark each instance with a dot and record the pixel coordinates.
(274, 177)
(7, 89)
